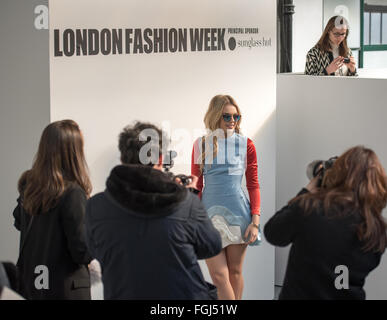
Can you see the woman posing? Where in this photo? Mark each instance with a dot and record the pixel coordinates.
(219, 160)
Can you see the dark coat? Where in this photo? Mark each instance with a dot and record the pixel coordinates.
(319, 245)
(148, 232)
(57, 240)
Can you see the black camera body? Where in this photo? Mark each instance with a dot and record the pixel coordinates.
(168, 164)
(347, 60)
(319, 168)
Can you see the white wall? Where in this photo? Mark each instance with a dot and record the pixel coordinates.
(375, 60)
(307, 29)
(24, 106)
(312, 124)
(379, 73)
(105, 93)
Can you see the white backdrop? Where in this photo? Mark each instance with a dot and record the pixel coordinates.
(103, 93)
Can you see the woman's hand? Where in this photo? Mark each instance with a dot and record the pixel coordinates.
(352, 64)
(251, 233)
(193, 184)
(95, 272)
(335, 65)
(313, 184)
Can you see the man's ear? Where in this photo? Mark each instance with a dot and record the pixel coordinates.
(159, 165)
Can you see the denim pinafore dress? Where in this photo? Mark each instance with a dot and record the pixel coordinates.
(223, 197)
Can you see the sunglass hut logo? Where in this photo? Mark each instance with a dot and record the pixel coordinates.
(88, 42)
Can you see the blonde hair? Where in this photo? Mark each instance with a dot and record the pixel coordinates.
(212, 121)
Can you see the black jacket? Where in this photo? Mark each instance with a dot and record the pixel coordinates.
(147, 232)
(56, 240)
(319, 245)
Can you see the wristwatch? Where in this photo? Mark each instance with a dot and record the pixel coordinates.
(255, 225)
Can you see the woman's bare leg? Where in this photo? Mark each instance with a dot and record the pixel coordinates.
(235, 255)
(217, 266)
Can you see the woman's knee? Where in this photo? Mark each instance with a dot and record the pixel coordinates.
(219, 277)
(235, 271)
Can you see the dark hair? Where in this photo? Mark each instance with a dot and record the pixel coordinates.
(324, 43)
(356, 181)
(59, 162)
(141, 141)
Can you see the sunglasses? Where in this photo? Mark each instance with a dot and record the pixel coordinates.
(227, 117)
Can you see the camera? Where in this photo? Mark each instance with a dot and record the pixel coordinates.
(318, 168)
(347, 60)
(168, 164)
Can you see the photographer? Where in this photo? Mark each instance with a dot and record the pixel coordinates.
(331, 55)
(146, 230)
(338, 226)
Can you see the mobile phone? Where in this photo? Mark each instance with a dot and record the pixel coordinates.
(347, 60)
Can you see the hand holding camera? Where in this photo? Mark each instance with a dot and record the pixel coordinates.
(339, 62)
(335, 65)
(315, 172)
(190, 182)
(313, 184)
(351, 64)
(187, 181)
